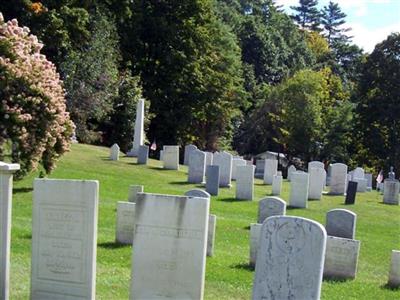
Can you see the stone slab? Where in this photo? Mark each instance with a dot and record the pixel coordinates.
(351, 192)
(245, 182)
(255, 230)
(114, 152)
(224, 161)
(338, 179)
(290, 171)
(133, 191)
(362, 184)
(394, 273)
(212, 222)
(391, 191)
(270, 169)
(186, 155)
(212, 180)
(270, 206)
(235, 163)
(143, 155)
(299, 189)
(316, 182)
(277, 185)
(197, 166)
(124, 229)
(341, 223)
(171, 157)
(209, 158)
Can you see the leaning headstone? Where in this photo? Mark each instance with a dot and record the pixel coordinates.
(338, 179)
(394, 273)
(133, 192)
(290, 259)
(212, 180)
(277, 185)
(212, 222)
(316, 183)
(299, 189)
(171, 157)
(341, 223)
(235, 163)
(245, 182)
(224, 161)
(351, 192)
(270, 206)
(391, 191)
(290, 171)
(170, 247)
(209, 158)
(197, 166)
(6, 186)
(188, 151)
(271, 168)
(114, 152)
(64, 239)
(138, 137)
(341, 258)
(125, 222)
(255, 230)
(260, 165)
(143, 155)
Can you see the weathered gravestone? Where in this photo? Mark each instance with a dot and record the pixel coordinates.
(138, 137)
(316, 183)
(188, 151)
(341, 223)
(114, 152)
(394, 273)
(212, 180)
(198, 193)
(64, 239)
(143, 155)
(270, 169)
(197, 166)
(161, 155)
(255, 230)
(290, 259)
(338, 179)
(235, 163)
(290, 171)
(209, 158)
(6, 186)
(169, 256)
(245, 182)
(368, 176)
(358, 175)
(124, 230)
(277, 185)
(270, 206)
(224, 161)
(391, 191)
(341, 258)
(133, 191)
(351, 192)
(299, 189)
(260, 165)
(171, 157)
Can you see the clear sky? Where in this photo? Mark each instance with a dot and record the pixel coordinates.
(371, 20)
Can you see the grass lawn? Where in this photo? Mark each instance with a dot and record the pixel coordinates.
(227, 275)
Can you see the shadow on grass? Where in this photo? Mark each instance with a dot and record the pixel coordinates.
(22, 190)
(246, 227)
(260, 184)
(233, 200)
(387, 286)
(111, 245)
(293, 208)
(243, 266)
(27, 236)
(159, 168)
(180, 183)
(336, 279)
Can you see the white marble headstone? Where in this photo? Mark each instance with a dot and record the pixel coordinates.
(197, 166)
(235, 163)
(133, 191)
(255, 230)
(114, 152)
(290, 171)
(245, 182)
(391, 191)
(188, 151)
(171, 157)
(124, 230)
(277, 185)
(224, 161)
(316, 183)
(270, 206)
(394, 273)
(341, 223)
(338, 179)
(270, 169)
(299, 189)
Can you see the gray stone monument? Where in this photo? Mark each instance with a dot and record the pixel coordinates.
(299, 189)
(391, 191)
(277, 185)
(316, 183)
(255, 230)
(197, 166)
(143, 155)
(368, 176)
(138, 137)
(338, 179)
(64, 239)
(270, 206)
(235, 163)
(260, 165)
(114, 152)
(188, 151)
(271, 168)
(290, 259)
(224, 161)
(171, 157)
(6, 187)
(124, 229)
(394, 273)
(133, 191)
(245, 182)
(341, 223)
(212, 180)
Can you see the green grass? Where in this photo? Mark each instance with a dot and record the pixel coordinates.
(227, 273)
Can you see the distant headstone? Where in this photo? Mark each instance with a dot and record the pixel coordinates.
(64, 239)
(161, 155)
(270, 206)
(299, 189)
(6, 187)
(394, 273)
(328, 175)
(290, 259)
(224, 161)
(235, 163)
(125, 222)
(315, 164)
(368, 176)
(133, 192)
(341, 223)
(209, 158)
(188, 151)
(114, 152)
(260, 165)
(341, 258)
(255, 230)
(197, 193)
(391, 191)
(271, 168)
(212, 221)
(351, 192)
(361, 184)
(316, 183)
(212, 180)
(171, 157)
(290, 171)
(245, 182)
(338, 179)
(277, 185)
(358, 173)
(169, 247)
(143, 155)
(138, 137)
(197, 166)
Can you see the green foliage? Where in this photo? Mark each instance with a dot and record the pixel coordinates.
(307, 15)
(332, 20)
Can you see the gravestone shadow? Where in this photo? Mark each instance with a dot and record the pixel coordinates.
(246, 227)
(336, 279)
(180, 183)
(387, 286)
(22, 190)
(233, 200)
(243, 266)
(112, 245)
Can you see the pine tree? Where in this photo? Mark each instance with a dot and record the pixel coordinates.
(332, 19)
(307, 15)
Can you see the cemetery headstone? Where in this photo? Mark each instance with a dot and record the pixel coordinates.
(290, 171)
(270, 206)
(171, 157)
(170, 243)
(224, 161)
(271, 168)
(64, 239)
(133, 192)
(125, 222)
(138, 137)
(245, 182)
(299, 189)
(338, 179)
(197, 193)
(143, 155)
(260, 165)
(212, 180)
(341, 223)
(351, 192)
(114, 152)
(316, 183)
(235, 163)
(209, 158)
(277, 185)
(6, 187)
(394, 273)
(290, 259)
(255, 230)
(391, 191)
(212, 222)
(197, 166)
(188, 151)
(315, 164)
(368, 176)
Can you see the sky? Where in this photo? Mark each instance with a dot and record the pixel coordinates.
(371, 21)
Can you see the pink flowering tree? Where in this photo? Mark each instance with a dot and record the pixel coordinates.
(35, 128)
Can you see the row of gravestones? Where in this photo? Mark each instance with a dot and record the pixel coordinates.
(170, 245)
